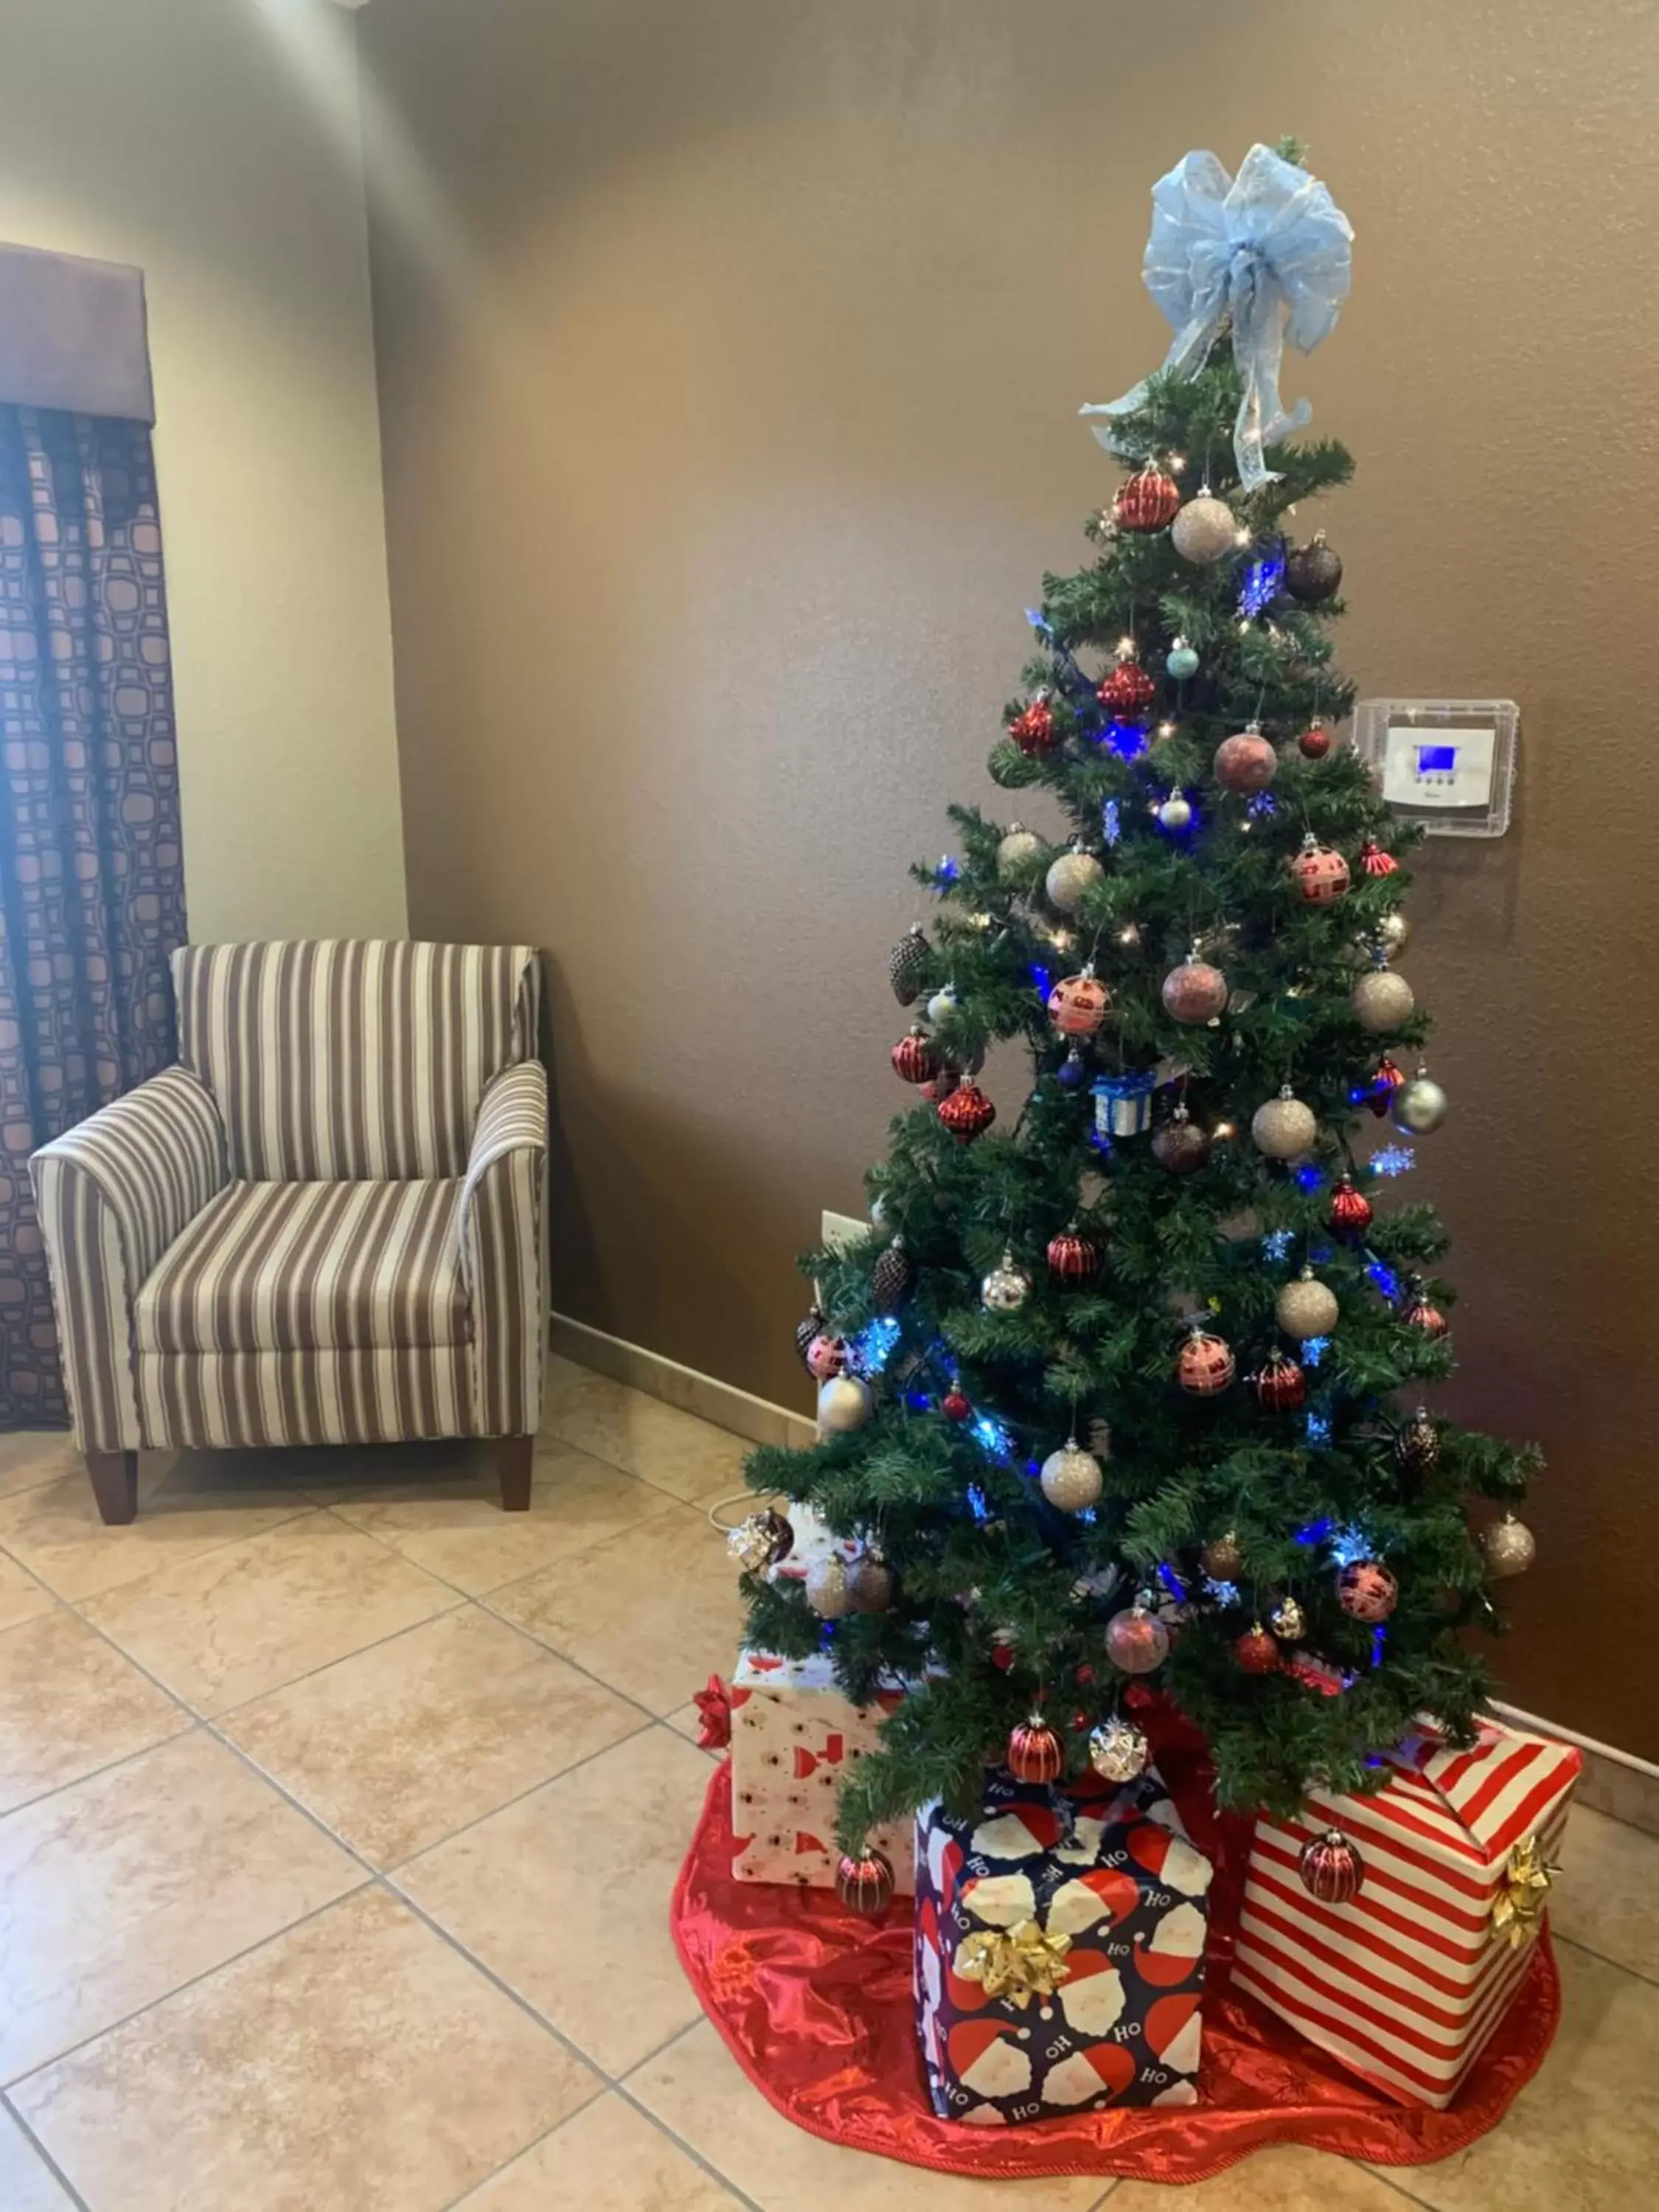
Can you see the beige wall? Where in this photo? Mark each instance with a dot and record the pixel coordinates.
(729, 409)
(176, 134)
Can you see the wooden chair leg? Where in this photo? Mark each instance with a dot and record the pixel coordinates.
(512, 1461)
(115, 1484)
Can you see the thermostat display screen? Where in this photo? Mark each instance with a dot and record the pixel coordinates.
(1453, 768)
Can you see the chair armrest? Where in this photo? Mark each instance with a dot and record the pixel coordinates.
(111, 1194)
(502, 1217)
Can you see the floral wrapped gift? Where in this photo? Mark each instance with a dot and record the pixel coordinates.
(1058, 1951)
(1393, 1930)
(794, 1732)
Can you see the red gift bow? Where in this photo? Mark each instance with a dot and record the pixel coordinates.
(714, 1704)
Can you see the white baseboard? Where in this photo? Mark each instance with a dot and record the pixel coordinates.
(1614, 1782)
(722, 1403)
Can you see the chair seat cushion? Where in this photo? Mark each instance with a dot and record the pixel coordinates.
(296, 1266)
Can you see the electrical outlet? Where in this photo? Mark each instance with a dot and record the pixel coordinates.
(838, 1231)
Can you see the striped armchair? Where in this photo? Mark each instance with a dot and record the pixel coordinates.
(325, 1226)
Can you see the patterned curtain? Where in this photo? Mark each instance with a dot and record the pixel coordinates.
(92, 896)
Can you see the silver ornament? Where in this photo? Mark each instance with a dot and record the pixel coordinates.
(870, 1583)
(1382, 1000)
(1018, 845)
(942, 1005)
(1205, 530)
(1069, 877)
(1287, 1621)
(844, 1403)
(878, 1211)
(1394, 932)
(1419, 1105)
(826, 1589)
(1306, 1307)
(1117, 1750)
(1071, 1478)
(1175, 813)
(1508, 1547)
(1007, 1288)
(1284, 1129)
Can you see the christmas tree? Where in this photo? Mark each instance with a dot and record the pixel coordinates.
(1122, 1392)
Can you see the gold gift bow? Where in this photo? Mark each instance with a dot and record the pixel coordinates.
(1519, 1908)
(1019, 1963)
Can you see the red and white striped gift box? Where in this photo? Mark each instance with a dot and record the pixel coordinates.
(794, 1732)
(1405, 1981)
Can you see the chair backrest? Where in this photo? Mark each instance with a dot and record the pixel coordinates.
(352, 1060)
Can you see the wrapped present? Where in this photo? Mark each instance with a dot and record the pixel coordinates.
(1405, 1979)
(1058, 1951)
(794, 1732)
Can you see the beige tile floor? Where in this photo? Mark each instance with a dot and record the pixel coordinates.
(338, 1817)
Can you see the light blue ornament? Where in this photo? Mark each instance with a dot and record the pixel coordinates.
(1181, 662)
(1271, 248)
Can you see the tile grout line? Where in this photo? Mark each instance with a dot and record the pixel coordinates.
(1619, 1966)
(44, 2155)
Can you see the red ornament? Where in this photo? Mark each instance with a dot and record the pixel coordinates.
(913, 1059)
(1002, 1658)
(1257, 1651)
(1315, 740)
(1127, 690)
(955, 1405)
(1195, 991)
(1375, 862)
(967, 1113)
(1246, 763)
(1331, 1868)
(714, 1704)
(1281, 1386)
(1033, 731)
(1366, 1591)
(1351, 1210)
(1034, 1751)
(1386, 1081)
(1147, 502)
(1078, 1004)
(826, 1358)
(863, 1881)
(1206, 1366)
(1419, 1314)
(1321, 875)
(1072, 1257)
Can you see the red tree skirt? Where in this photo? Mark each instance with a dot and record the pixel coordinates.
(815, 2005)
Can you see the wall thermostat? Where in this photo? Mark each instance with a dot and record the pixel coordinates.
(1448, 763)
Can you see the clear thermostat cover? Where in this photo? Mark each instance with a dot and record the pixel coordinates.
(1448, 763)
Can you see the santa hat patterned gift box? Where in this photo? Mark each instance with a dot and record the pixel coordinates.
(794, 1734)
(1403, 1973)
(1059, 1953)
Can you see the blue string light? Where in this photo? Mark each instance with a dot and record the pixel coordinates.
(1394, 1160)
(1038, 620)
(1385, 1279)
(1223, 1593)
(1277, 1244)
(1350, 1544)
(1314, 1533)
(1263, 581)
(872, 1347)
(1379, 1637)
(1314, 1349)
(1042, 979)
(1263, 804)
(1109, 822)
(991, 1434)
(917, 1400)
(1319, 1428)
(948, 870)
(1127, 740)
(978, 1504)
(1172, 1582)
(1308, 1177)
